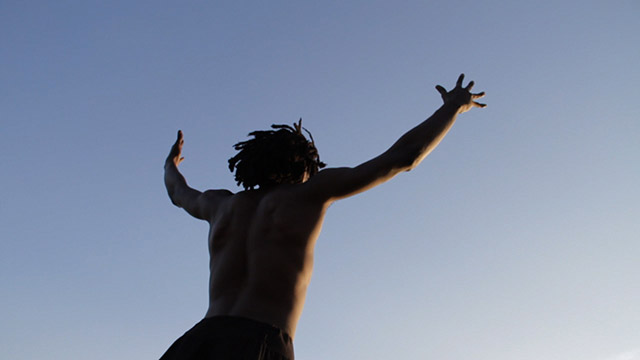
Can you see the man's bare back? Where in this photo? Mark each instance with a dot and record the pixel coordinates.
(261, 245)
(261, 241)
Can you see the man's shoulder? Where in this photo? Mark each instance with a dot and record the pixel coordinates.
(284, 194)
(217, 195)
(294, 195)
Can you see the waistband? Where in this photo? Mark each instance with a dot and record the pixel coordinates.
(234, 326)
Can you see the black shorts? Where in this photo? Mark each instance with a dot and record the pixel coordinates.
(230, 337)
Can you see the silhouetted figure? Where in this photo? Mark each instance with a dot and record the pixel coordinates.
(261, 240)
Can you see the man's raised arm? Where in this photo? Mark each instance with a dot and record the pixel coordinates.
(198, 204)
(404, 155)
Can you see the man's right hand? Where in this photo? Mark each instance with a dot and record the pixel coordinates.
(175, 155)
(460, 96)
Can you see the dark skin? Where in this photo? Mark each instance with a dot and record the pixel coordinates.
(261, 242)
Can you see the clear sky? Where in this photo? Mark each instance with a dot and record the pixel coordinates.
(517, 238)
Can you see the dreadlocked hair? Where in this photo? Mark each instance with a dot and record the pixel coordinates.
(279, 156)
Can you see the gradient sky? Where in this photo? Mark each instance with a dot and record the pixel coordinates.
(517, 238)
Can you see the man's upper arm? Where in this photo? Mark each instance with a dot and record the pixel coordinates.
(201, 205)
(337, 183)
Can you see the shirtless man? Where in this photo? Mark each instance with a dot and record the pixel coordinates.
(261, 241)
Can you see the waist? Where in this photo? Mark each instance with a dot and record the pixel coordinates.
(279, 313)
(235, 326)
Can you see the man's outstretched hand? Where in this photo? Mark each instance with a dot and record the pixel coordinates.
(461, 96)
(175, 155)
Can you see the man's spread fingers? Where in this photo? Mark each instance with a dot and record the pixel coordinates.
(477, 96)
(479, 104)
(460, 79)
(441, 90)
(470, 86)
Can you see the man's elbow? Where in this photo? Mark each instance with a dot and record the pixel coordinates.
(173, 198)
(409, 159)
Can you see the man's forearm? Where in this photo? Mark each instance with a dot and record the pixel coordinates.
(179, 192)
(418, 142)
(173, 181)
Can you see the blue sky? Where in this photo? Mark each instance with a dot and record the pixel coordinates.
(516, 239)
